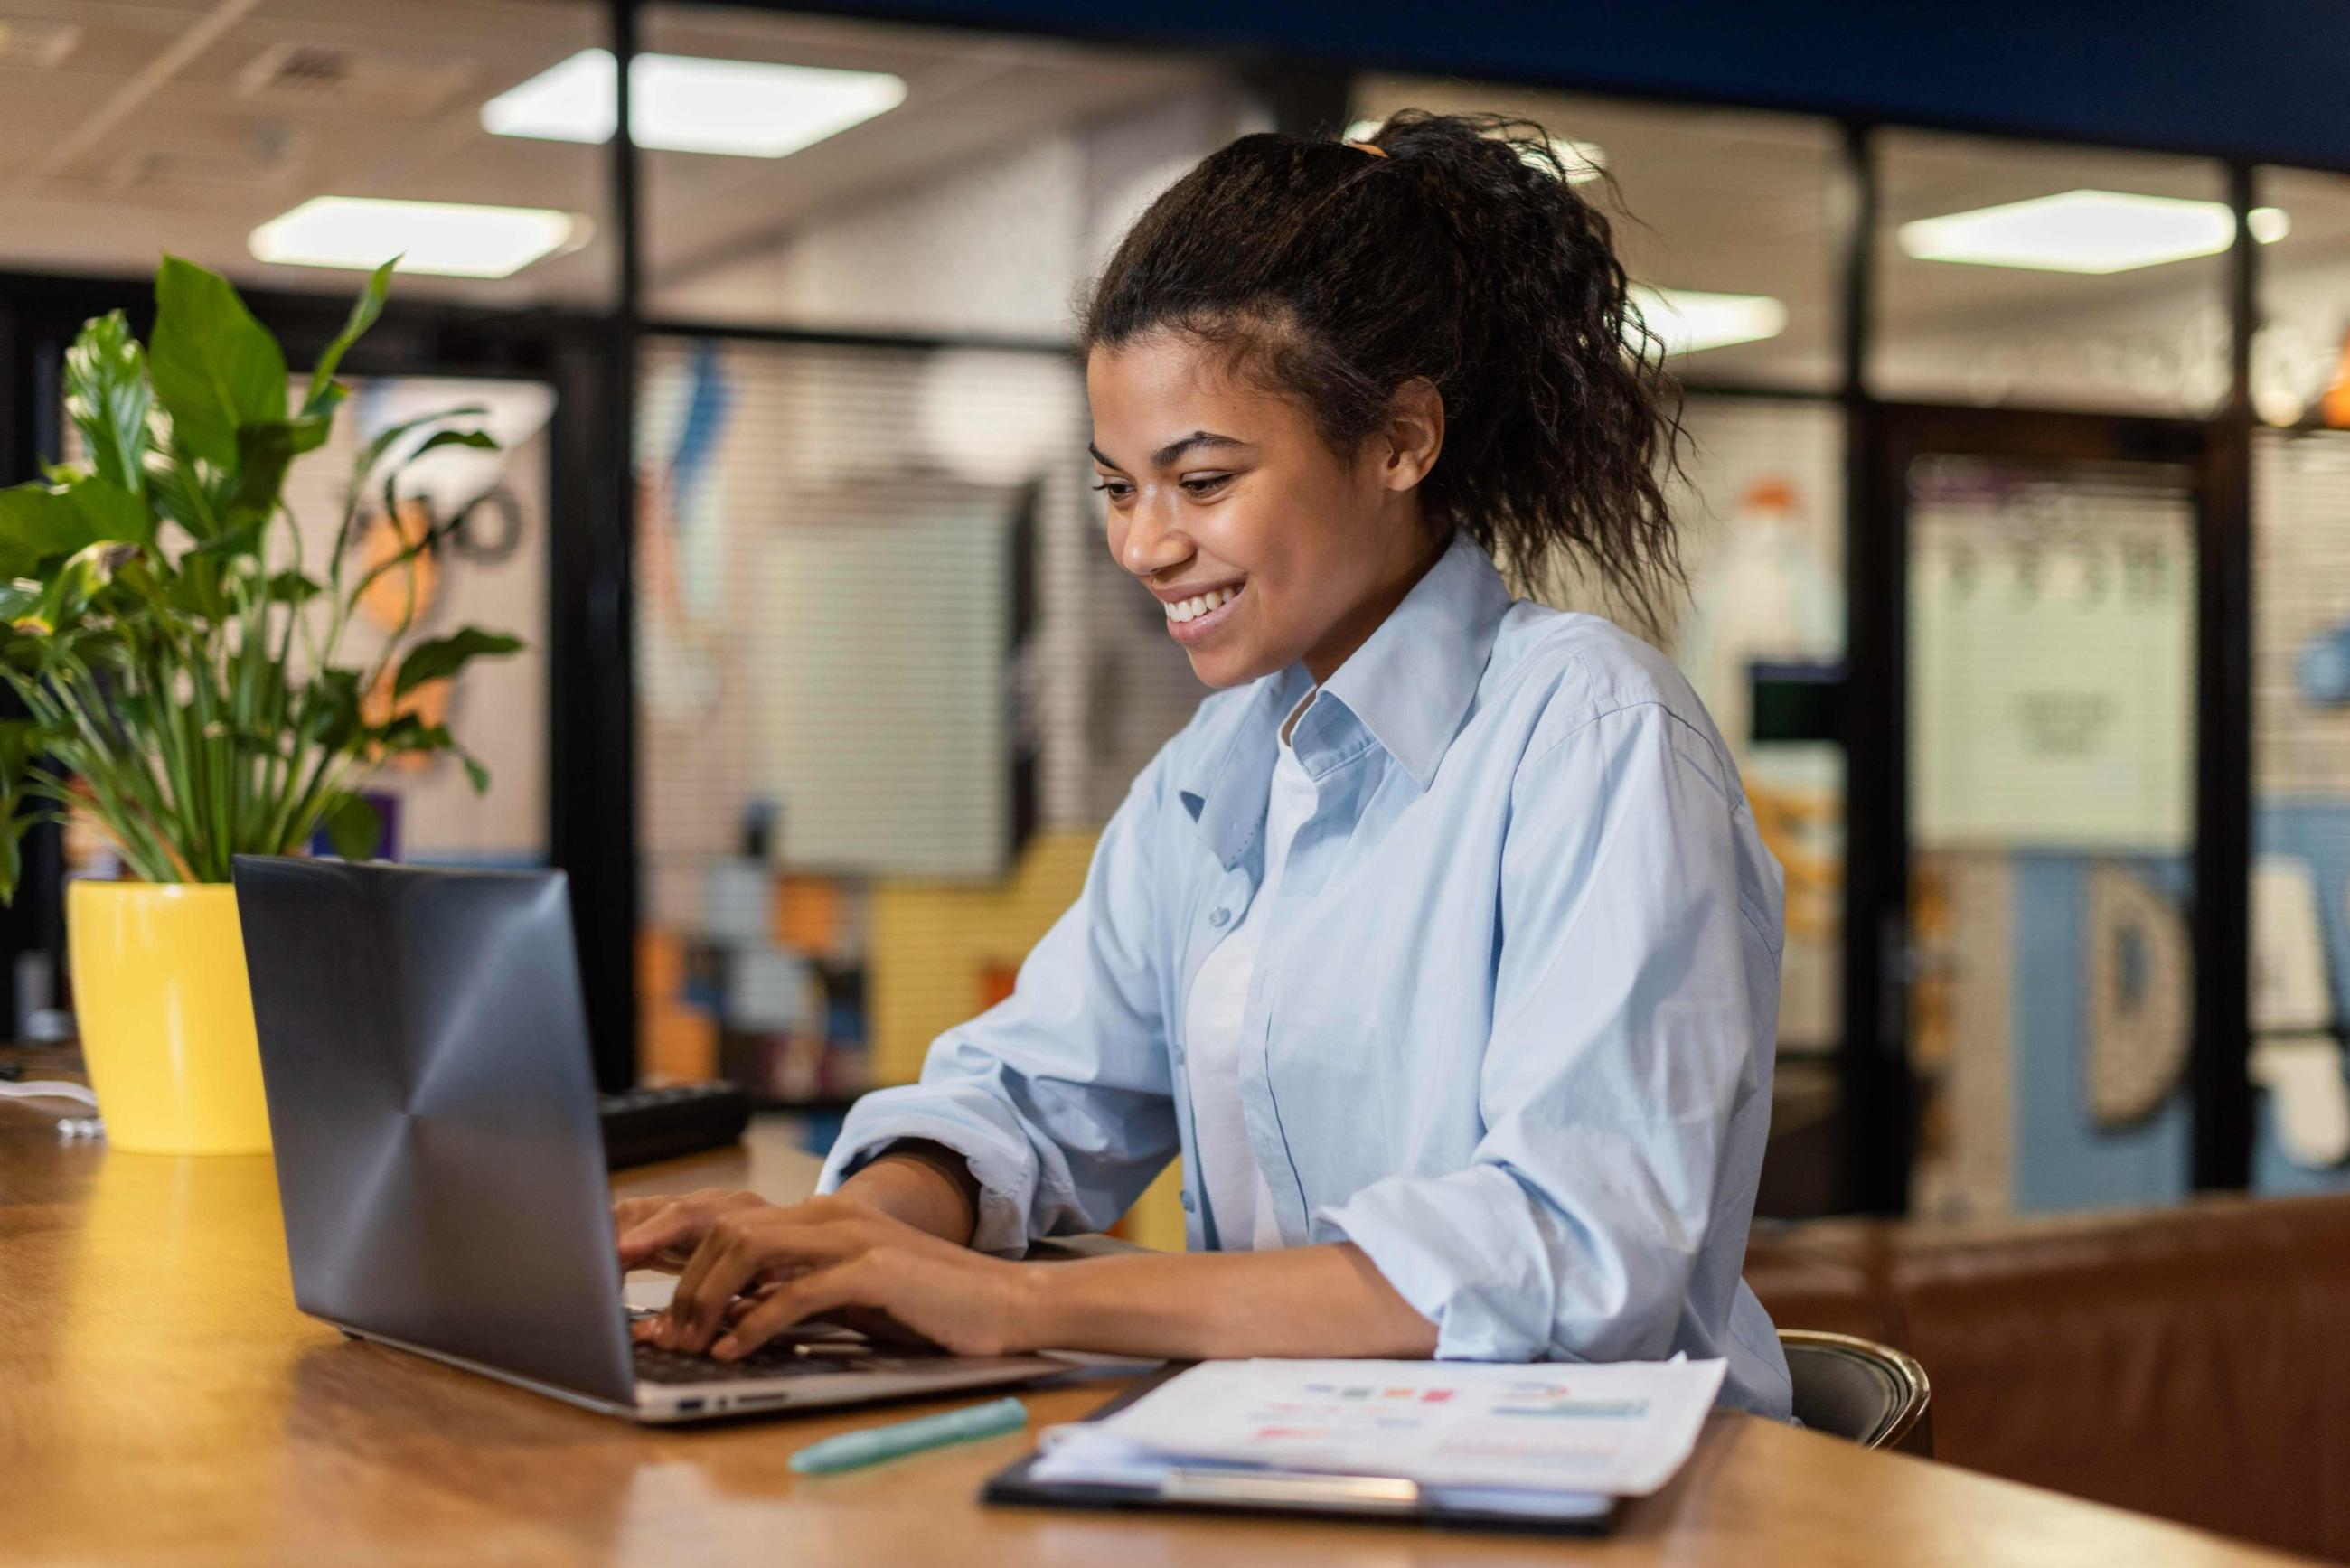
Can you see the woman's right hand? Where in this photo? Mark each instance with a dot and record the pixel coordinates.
(662, 1231)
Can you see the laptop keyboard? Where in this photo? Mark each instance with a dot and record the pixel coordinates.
(655, 1365)
(790, 1357)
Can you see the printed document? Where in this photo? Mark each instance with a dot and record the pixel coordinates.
(1555, 1427)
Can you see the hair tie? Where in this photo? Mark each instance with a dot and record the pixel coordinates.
(1374, 152)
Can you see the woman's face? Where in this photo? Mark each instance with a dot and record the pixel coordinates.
(1263, 546)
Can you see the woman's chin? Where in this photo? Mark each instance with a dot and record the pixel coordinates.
(1223, 667)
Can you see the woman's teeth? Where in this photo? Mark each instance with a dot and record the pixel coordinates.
(1199, 604)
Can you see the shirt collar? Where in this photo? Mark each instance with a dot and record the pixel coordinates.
(1406, 689)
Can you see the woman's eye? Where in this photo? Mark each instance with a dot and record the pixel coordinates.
(1116, 488)
(1205, 486)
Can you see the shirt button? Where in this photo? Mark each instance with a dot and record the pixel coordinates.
(1218, 917)
(1189, 1204)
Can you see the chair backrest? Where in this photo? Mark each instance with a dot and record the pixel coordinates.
(1857, 1389)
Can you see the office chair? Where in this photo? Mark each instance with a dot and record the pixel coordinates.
(1855, 1388)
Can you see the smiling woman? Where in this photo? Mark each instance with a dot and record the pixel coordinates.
(1266, 545)
(1440, 943)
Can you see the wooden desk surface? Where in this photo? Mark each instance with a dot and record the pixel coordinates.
(162, 1401)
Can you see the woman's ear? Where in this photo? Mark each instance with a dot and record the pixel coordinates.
(1414, 433)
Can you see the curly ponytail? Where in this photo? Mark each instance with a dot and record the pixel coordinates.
(1464, 256)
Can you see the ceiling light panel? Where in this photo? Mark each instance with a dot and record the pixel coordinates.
(1690, 320)
(678, 103)
(436, 237)
(2091, 231)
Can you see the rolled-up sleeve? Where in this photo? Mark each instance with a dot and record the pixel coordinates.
(1058, 1097)
(1632, 1003)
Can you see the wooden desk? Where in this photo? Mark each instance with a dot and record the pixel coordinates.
(160, 1401)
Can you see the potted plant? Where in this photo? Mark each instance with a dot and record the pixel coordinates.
(182, 684)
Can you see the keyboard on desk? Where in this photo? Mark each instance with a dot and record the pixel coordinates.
(646, 1125)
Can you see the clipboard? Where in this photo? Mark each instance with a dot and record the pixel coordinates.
(1291, 1493)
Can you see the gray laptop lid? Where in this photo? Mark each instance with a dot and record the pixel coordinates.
(424, 1052)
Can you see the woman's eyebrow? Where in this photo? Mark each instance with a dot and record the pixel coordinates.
(1174, 449)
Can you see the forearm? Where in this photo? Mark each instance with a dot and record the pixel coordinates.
(1327, 1300)
(920, 1190)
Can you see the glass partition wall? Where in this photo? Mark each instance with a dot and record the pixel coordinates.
(2052, 627)
(2016, 275)
(2300, 996)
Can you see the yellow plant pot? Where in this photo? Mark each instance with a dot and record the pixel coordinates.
(166, 1016)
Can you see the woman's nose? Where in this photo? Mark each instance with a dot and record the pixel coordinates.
(1151, 544)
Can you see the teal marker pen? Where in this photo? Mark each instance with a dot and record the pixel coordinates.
(875, 1444)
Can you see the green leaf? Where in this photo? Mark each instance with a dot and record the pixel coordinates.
(385, 439)
(215, 369)
(291, 587)
(323, 404)
(195, 587)
(109, 512)
(408, 733)
(18, 599)
(331, 718)
(354, 827)
(104, 650)
(323, 391)
(108, 396)
(38, 521)
(265, 451)
(21, 740)
(72, 585)
(12, 824)
(245, 539)
(180, 492)
(481, 438)
(444, 656)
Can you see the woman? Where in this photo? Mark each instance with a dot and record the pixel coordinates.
(1439, 943)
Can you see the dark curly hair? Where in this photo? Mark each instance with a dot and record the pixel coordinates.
(1464, 256)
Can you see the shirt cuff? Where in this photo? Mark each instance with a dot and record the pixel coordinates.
(1449, 1246)
(1006, 1180)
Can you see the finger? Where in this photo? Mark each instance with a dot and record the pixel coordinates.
(675, 1225)
(742, 1247)
(705, 1202)
(795, 1301)
(732, 1253)
(629, 1213)
(749, 1299)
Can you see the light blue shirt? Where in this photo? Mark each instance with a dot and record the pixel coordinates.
(1511, 1030)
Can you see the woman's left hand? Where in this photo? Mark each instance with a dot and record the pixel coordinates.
(832, 1255)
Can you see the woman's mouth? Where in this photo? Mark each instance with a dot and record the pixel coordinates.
(1194, 620)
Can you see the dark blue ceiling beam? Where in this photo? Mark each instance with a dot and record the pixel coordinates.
(2256, 79)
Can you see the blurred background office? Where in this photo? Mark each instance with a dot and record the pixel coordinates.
(2018, 507)
(2014, 511)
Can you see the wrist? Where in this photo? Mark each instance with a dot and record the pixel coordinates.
(1041, 1310)
(918, 1191)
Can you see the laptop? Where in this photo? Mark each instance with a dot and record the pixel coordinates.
(424, 1054)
